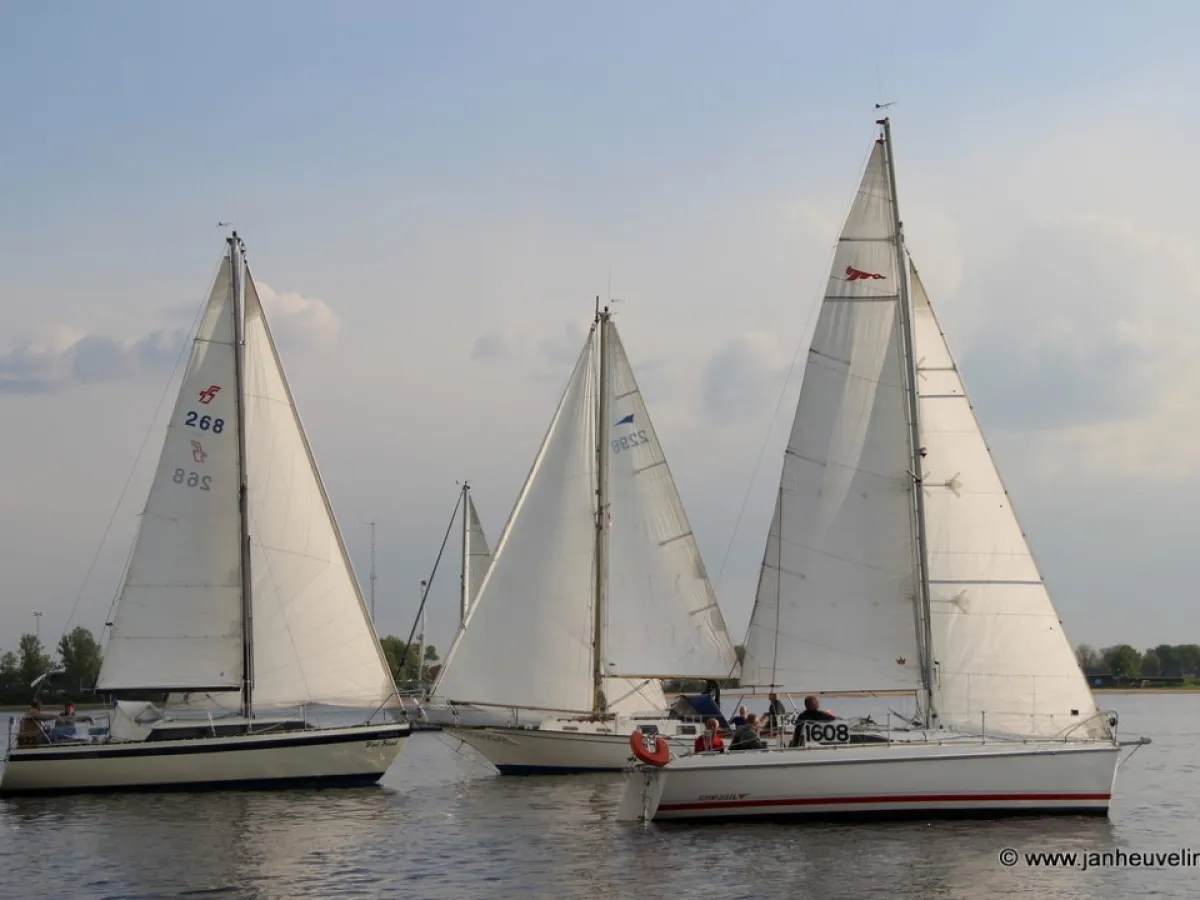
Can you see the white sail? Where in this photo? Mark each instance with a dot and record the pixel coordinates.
(661, 613)
(1003, 660)
(526, 641)
(313, 638)
(835, 603)
(478, 556)
(179, 616)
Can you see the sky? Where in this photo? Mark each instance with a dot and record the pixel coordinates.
(432, 198)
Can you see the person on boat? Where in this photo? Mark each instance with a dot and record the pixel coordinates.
(775, 712)
(746, 737)
(710, 740)
(713, 690)
(64, 723)
(740, 719)
(812, 713)
(32, 730)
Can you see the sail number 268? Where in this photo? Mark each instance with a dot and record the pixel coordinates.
(193, 479)
(627, 441)
(204, 423)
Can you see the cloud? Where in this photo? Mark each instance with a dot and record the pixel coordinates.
(491, 347)
(742, 378)
(66, 356)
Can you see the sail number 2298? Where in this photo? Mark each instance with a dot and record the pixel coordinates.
(192, 479)
(627, 441)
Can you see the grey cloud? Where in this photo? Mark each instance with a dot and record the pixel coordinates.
(491, 347)
(738, 381)
(1059, 350)
(39, 367)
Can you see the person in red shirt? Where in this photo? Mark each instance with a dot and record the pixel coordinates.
(710, 740)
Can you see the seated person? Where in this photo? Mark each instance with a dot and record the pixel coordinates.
(775, 712)
(64, 724)
(740, 719)
(746, 737)
(32, 731)
(710, 740)
(812, 713)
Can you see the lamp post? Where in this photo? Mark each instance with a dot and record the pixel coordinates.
(37, 625)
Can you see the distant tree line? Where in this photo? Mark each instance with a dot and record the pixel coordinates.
(1169, 661)
(402, 660)
(75, 667)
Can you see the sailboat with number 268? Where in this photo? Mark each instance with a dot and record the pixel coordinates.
(239, 605)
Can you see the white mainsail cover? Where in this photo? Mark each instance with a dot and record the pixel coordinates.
(527, 641)
(1003, 660)
(179, 617)
(834, 610)
(178, 622)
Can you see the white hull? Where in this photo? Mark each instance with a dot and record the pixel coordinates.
(351, 756)
(552, 751)
(465, 716)
(879, 780)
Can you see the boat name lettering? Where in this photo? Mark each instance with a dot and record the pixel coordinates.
(707, 797)
(626, 441)
(389, 742)
(204, 423)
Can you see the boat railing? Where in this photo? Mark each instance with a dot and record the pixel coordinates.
(48, 731)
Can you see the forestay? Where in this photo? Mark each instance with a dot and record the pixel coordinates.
(1003, 659)
(313, 638)
(834, 610)
(179, 615)
(661, 613)
(526, 641)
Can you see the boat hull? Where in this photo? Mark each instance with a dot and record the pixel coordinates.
(877, 781)
(533, 751)
(332, 757)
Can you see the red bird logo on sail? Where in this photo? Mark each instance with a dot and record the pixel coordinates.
(206, 395)
(853, 274)
(198, 453)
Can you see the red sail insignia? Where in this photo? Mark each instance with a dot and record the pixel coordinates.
(853, 274)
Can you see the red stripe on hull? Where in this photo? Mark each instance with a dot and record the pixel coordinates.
(880, 800)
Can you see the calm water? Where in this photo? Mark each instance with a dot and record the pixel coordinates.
(443, 826)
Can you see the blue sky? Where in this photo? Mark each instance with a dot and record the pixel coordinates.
(412, 181)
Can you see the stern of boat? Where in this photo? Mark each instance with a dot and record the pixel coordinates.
(643, 790)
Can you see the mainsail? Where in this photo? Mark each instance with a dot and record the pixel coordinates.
(839, 602)
(528, 639)
(477, 558)
(179, 618)
(1003, 660)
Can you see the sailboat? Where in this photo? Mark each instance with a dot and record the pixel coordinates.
(239, 604)
(596, 591)
(895, 563)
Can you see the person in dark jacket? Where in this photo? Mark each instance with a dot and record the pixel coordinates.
(746, 737)
(812, 713)
(775, 713)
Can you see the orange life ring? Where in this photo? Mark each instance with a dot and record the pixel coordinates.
(659, 756)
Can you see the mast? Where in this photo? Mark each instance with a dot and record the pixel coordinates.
(464, 599)
(237, 264)
(421, 648)
(372, 524)
(924, 630)
(599, 704)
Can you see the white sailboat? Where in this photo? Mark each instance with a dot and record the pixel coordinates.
(239, 593)
(596, 591)
(895, 562)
